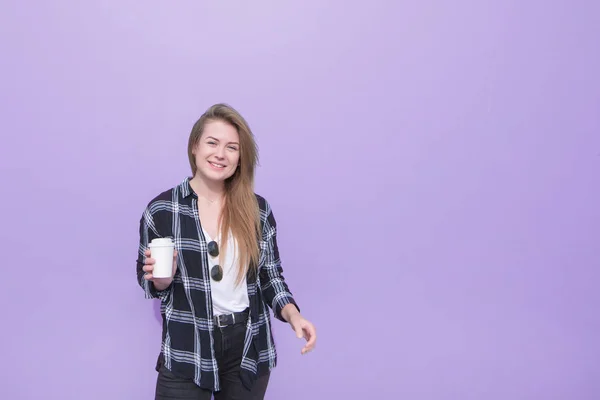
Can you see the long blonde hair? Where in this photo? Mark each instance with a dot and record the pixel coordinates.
(240, 213)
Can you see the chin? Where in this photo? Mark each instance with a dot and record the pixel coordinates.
(217, 176)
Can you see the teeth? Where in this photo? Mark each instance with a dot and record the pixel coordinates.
(217, 165)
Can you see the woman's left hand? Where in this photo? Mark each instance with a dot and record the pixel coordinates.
(304, 329)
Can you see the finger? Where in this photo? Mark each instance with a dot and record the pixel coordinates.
(311, 339)
(308, 330)
(311, 342)
(308, 348)
(148, 268)
(148, 277)
(149, 260)
(147, 253)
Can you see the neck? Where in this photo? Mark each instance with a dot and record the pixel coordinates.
(210, 190)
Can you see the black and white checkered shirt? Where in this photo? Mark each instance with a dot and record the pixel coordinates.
(186, 305)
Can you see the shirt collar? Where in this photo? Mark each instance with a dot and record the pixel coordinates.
(185, 189)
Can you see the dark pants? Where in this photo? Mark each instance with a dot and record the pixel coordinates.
(229, 346)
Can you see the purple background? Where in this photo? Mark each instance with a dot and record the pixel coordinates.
(433, 166)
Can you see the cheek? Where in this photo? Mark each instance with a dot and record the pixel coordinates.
(199, 153)
(235, 159)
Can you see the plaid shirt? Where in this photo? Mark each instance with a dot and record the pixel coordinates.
(186, 305)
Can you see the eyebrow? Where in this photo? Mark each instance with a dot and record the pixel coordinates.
(214, 138)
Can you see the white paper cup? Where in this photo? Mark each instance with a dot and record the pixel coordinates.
(162, 249)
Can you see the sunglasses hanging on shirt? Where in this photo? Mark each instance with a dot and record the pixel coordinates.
(216, 272)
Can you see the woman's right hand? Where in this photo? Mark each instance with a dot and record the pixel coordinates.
(159, 283)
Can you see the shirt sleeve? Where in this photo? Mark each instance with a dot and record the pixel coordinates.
(273, 286)
(148, 231)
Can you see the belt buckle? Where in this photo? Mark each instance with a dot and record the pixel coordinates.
(224, 315)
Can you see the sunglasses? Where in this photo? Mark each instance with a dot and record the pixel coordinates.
(216, 272)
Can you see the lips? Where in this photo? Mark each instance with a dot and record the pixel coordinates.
(216, 166)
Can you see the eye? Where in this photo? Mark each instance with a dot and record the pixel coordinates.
(234, 148)
(211, 142)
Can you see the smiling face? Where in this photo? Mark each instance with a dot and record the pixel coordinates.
(222, 151)
(217, 152)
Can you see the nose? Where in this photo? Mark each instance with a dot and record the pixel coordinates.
(220, 153)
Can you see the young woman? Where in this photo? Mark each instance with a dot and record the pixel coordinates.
(216, 335)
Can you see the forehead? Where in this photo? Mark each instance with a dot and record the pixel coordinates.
(221, 130)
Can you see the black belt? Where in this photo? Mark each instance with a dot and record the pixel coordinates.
(230, 319)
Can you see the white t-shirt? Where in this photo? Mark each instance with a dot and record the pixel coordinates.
(227, 296)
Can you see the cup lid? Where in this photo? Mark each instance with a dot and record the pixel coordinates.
(161, 242)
